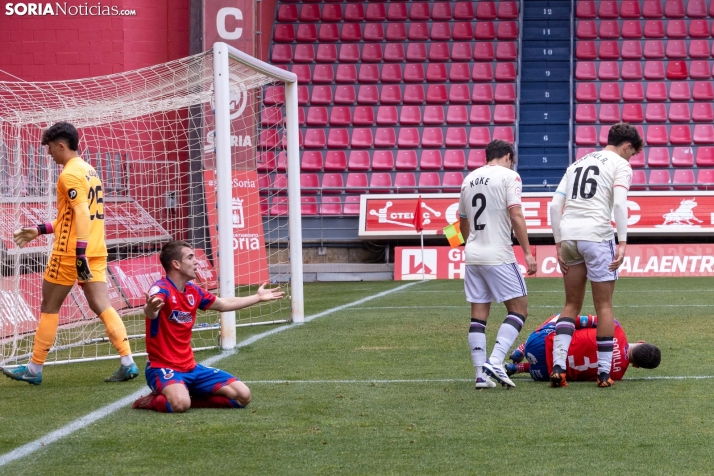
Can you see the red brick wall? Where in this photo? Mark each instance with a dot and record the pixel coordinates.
(49, 48)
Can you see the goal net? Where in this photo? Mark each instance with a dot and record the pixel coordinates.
(177, 146)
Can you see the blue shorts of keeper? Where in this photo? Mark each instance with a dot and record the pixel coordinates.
(201, 381)
(535, 352)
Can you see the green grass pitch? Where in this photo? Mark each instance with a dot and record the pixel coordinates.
(386, 387)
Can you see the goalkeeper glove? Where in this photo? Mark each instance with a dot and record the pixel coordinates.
(83, 272)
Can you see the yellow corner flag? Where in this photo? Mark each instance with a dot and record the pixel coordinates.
(453, 234)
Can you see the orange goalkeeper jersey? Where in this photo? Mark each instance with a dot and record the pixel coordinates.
(79, 183)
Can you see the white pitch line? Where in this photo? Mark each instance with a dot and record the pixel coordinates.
(465, 305)
(90, 418)
(618, 291)
(449, 380)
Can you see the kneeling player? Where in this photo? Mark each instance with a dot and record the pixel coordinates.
(582, 361)
(177, 381)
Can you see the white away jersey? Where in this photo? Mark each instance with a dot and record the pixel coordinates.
(486, 195)
(588, 187)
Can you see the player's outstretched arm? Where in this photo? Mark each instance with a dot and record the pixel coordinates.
(235, 303)
(153, 306)
(518, 222)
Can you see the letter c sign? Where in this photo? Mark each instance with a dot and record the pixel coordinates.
(221, 23)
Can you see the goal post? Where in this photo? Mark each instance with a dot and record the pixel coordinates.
(185, 151)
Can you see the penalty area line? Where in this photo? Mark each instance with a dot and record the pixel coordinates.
(96, 415)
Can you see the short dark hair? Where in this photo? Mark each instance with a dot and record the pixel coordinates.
(623, 132)
(171, 252)
(498, 148)
(646, 356)
(62, 131)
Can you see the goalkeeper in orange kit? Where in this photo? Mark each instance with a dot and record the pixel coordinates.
(79, 254)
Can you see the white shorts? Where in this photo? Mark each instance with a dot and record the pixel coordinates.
(499, 283)
(597, 256)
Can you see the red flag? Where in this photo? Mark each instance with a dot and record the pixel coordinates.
(418, 218)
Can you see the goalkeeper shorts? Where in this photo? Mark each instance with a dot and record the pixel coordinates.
(62, 270)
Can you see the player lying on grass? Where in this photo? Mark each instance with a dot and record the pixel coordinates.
(177, 381)
(582, 360)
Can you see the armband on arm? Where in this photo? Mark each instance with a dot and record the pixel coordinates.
(45, 228)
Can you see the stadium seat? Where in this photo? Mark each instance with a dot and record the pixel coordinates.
(485, 31)
(482, 93)
(429, 182)
(699, 29)
(284, 33)
(282, 54)
(352, 205)
(702, 112)
(654, 49)
(683, 157)
(375, 12)
(436, 94)
(265, 162)
(581, 152)
(656, 91)
(309, 184)
(633, 92)
(632, 113)
(419, 12)
(346, 73)
(345, 95)
(585, 9)
(505, 93)
(335, 161)
(700, 70)
(654, 29)
(461, 73)
(330, 206)
(638, 160)
(586, 50)
(440, 31)
(463, 31)
(585, 113)
(354, 12)
(654, 70)
(271, 116)
(658, 157)
(351, 32)
(394, 53)
(414, 73)
(452, 182)
(608, 70)
(704, 134)
(676, 29)
(477, 158)
(506, 51)
(331, 13)
(380, 182)
(430, 160)
(609, 30)
(456, 137)
(280, 183)
(368, 94)
(306, 33)
(674, 9)
(391, 73)
(586, 71)
(609, 113)
(310, 13)
(432, 137)
(268, 139)
(406, 160)
(631, 70)
(652, 9)
(504, 114)
(391, 94)
(349, 53)
(385, 137)
(483, 51)
(676, 49)
(372, 53)
(363, 116)
(465, 11)
(405, 182)
(639, 180)
(418, 31)
(317, 116)
(631, 49)
(434, 115)
(610, 92)
(586, 92)
(504, 133)
(608, 9)
(274, 95)
(397, 12)
(631, 29)
(414, 94)
(679, 91)
(410, 116)
(480, 114)
(356, 182)
(383, 160)
(368, 73)
(705, 178)
(481, 72)
(585, 136)
(703, 91)
(659, 180)
(454, 160)
(611, 50)
(416, 52)
(705, 157)
(679, 112)
(680, 135)
(656, 112)
(321, 96)
(507, 11)
(311, 161)
(326, 53)
(279, 206)
(436, 72)
(396, 31)
(287, 13)
(387, 116)
(337, 138)
(630, 9)
(373, 32)
(304, 54)
(361, 138)
(408, 138)
(505, 71)
(479, 137)
(315, 138)
(586, 30)
(683, 180)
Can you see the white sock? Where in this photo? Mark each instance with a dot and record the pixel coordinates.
(477, 344)
(34, 368)
(127, 360)
(507, 335)
(564, 329)
(604, 354)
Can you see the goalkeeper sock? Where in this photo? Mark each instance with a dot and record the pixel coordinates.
(161, 405)
(564, 329)
(507, 335)
(604, 353)
(214, 401)
(44, 338)
(117, 333)
(477, 344)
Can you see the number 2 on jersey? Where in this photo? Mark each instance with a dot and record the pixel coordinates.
(482, 198)
(581, 185)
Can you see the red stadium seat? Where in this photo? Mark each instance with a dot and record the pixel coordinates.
(434, 115)
(483, 51)
(380, 182)
(330, 206)
(265, 162)
(271, 116)
(309, 183)
(352, 205)
(351, 32)
(356, 182)
(585, 9)
(317, 116)
(477, 158)
(315, 139)
(436, 73)
(485, 30)
(608, 9)
(324, 74)
(610, 92)
(373, 32)
(372, 53)
(461, 73)
(683, 157)
(585, 113)
(683, 180)
(652, 9)
(587, 30)
(394, 52)
(456, 137)
(375, 12)
(282, 54)
(310, 13)
(656, 91)
(432, 137)
(385, 137)
(287, 13)
(331, 13)
(676, 49)
(416, 52)
(418, 31)
(391, 94)
(345, 95)
(630, 9)
(631, 29)
(659, 180)
(362, 138)
(429, 182)
(430, 160)
(391, 73)
(585, 136)
(654, 49)
(702, 112)
(654, 70)
(637, 160)
(681, 135)
(279, 206)
(609, 30)
(387, 116)
(321, 95)
(506, 51)
(383, 160)
(657, 135)
(274, 95)
(338, 138)
(586, 92)
(703, 91)
(452, 182)
(397, 12)
(311, 161)
(346, 73)
(368, 94)
(485, 10)
(479, 137)
(406, 160)
(436, 94)
(508, 11)
(505, 93)
(454, 160)
(396, 31)
(419, 12)
(405, 182)
(408, 138)
(704, 134)
(633, 92)
(440, 31)
(654, 29)
(656, 112)
(368, 73)
(463, 31)
(335, 161)
(465, 10)
(284, 33)
(679, 112)
(705, 157)
(586, 50)
(304, 54)
(658, 157)
(414, 94)
(585, 70)
(608, 70)
(363, 116)
(280, 183)
(676, 29)
(609, 113)
(639, 180)
(706, 179)
(354, 12)
(632, 113)
(699, 29)
(414, 73)
(410, 116)
(700, 70)
(306, 33)
(327, 53)
(505, 71)
(349, 53)
(504, 133)
(480, 115)
(504, 114)
(674, 9)
(482, 93)
(631, 70)
(677, 70)
(611, 50)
